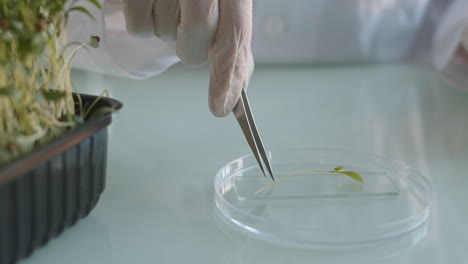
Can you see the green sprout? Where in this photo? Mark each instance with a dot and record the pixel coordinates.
(94, 41)
(352, 174)
(36, 92)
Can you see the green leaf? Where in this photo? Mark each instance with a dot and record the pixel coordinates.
(10, 92)
(102, 111)
(339, 168)
(353, 175)
(95, 3)
(82, 10)
(94, 41)
(53, 95)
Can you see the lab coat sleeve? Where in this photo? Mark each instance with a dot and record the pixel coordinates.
(450, 44)
(119, 53)
(337, 31)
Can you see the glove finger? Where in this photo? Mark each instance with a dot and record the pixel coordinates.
(166, 19)
(231, 61)
(465, 38)
(197, 29)
(139, 17)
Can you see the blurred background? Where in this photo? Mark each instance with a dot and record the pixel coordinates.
(336, 31)
(318, 32)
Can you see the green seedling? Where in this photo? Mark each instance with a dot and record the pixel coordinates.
(352, 174)
(36, 91)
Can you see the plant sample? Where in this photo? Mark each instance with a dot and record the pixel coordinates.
(36, 99)
(352, 174)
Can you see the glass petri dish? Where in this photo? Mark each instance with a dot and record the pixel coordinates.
(320, 209)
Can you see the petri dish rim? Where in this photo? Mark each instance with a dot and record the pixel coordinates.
(418, 180)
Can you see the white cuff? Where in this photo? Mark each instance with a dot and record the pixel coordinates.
(119, 53)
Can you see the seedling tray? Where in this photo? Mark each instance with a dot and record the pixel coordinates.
(49, 189)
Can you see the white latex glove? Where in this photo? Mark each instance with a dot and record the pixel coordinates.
(451, 34)
(449, 49)
(216, 30)
(465, 39)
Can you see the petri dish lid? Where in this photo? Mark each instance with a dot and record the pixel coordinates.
(319, 208)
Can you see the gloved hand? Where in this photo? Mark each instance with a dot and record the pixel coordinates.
(465, 43)
(215, 30)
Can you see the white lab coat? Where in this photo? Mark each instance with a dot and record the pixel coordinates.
(299, 31)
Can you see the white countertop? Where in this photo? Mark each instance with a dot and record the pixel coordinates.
(165, 149)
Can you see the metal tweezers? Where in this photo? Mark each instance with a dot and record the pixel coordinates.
(246, 121)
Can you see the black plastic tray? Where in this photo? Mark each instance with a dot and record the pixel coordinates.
(52, 187)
